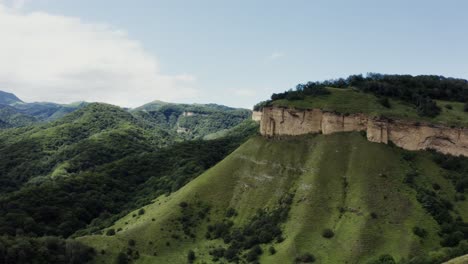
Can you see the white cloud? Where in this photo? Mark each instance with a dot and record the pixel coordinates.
(46, 57)
(276, 55)
(15, 4)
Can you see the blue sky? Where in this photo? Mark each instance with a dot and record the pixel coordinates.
(239, 52)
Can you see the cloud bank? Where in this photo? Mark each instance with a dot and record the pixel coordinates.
(46, 57)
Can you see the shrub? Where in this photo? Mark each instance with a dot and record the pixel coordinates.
(263, 228)
(183, 204)
(110, 232)
(141, 211)
(408, 156)
(384, 259)
(374, 215)
(420, 232)
(295, 95)
(191, 256)
(384, 102)
(328, 233)
(448, 106)
(363, 133)
(261, 105)
(272, 250)
(452, 239)
(410, 177)
(231, 212)
(305, 258)
(122, 258)
(131, 242)
(253, 253)
(217, 253)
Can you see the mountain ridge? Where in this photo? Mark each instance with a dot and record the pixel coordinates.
(9, 98)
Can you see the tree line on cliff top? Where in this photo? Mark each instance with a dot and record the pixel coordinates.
(420, 91)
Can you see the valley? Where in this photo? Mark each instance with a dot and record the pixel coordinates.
(325, 174)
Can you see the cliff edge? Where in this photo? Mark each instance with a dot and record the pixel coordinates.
(277, 121)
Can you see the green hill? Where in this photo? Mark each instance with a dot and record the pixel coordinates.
(335, 199)
(355, 101)
(192, 183)
(431, 98)
(85, 169)
(14, 118)
(190, 121)
(46, 112)
(16, 113)
(8, 98)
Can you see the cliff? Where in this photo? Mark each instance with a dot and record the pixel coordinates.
(257, 116)
(405, 134)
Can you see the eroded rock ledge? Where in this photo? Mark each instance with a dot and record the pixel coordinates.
(277, 121)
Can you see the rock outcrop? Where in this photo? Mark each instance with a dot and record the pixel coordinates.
(409, 135)
(257, 116)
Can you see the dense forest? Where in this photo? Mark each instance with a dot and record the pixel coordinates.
(78, 174)
(191, 121)
(420, 91)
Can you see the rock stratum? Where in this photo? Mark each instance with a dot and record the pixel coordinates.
(409, 135)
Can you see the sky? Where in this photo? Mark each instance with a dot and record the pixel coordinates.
(235, 53)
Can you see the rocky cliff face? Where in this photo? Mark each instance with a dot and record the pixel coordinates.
(408, 135)
(257, 116)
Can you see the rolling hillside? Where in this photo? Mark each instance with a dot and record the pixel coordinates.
(83, 171)
(16, 113)
(332, 199)
(191, 121)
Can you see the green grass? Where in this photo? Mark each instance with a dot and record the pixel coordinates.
(352, 101)
(459, 260)
(316, 167)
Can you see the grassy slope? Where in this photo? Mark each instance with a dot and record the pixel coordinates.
(351, 101)
(459, 260)
(261, 170)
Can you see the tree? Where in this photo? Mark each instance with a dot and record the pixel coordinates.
(420, 232)
(272, 250)
(385, 102)
(110, 232)
(384, 259)
(191, 256)
(122, 258)
(328, 233)
(131, 242)
(305, 258)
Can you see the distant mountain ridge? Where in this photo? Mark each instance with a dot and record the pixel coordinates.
(14, 112)
(8, 98)
(157, 114)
